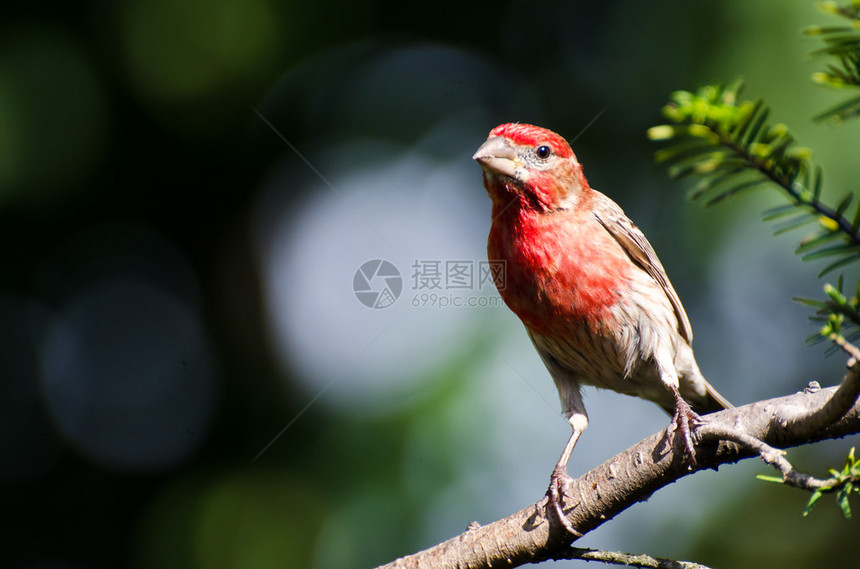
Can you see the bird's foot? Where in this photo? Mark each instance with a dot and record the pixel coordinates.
(555, 498)
(684, 422)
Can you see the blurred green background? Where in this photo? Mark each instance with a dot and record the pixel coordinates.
(188, 189)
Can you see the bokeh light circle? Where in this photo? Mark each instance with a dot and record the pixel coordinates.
(128, 375)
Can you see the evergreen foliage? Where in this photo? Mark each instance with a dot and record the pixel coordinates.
(731, 147)
(842, 49)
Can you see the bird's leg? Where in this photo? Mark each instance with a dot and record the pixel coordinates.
(560, 478)
(685, 420)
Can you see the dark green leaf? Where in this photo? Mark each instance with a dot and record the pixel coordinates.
(779, 211)
(837, 265)
(693, 166)
(843, 205)
(848, 108)
(779, 150)
(813, 339)
(824, 30)
(816, 186)
(756, 126)
(812, 501)
(840, 249)
(840, 44)
(808, 244)
(855, 222)
(795, 167)
(679, 152)
(742, 127)
(684, 171)
(842, 499)
(794, 223)
(713, 182)
(817, 304)
(745, 186)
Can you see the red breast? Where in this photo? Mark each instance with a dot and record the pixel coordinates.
(562, 269)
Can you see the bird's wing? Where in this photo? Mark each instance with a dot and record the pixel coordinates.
(612, 218)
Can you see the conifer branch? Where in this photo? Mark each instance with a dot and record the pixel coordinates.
(842, 48)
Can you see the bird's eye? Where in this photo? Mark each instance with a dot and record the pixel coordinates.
(543, 151)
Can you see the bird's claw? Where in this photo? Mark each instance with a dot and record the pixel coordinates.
(555, 496)
(685, 420)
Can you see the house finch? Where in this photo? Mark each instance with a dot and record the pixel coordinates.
(587, 285)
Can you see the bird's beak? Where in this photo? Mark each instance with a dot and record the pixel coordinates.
(497, 156)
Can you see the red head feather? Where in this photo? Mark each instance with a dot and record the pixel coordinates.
(530, 135)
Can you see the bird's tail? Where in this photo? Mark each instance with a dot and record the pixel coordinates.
(712, 401)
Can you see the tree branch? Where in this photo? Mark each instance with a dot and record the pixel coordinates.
(632, 476)
(617, 558)
(806, 421)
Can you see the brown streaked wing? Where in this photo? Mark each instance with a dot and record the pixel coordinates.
(612, 218)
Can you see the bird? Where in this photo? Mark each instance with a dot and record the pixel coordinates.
(589, 288)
